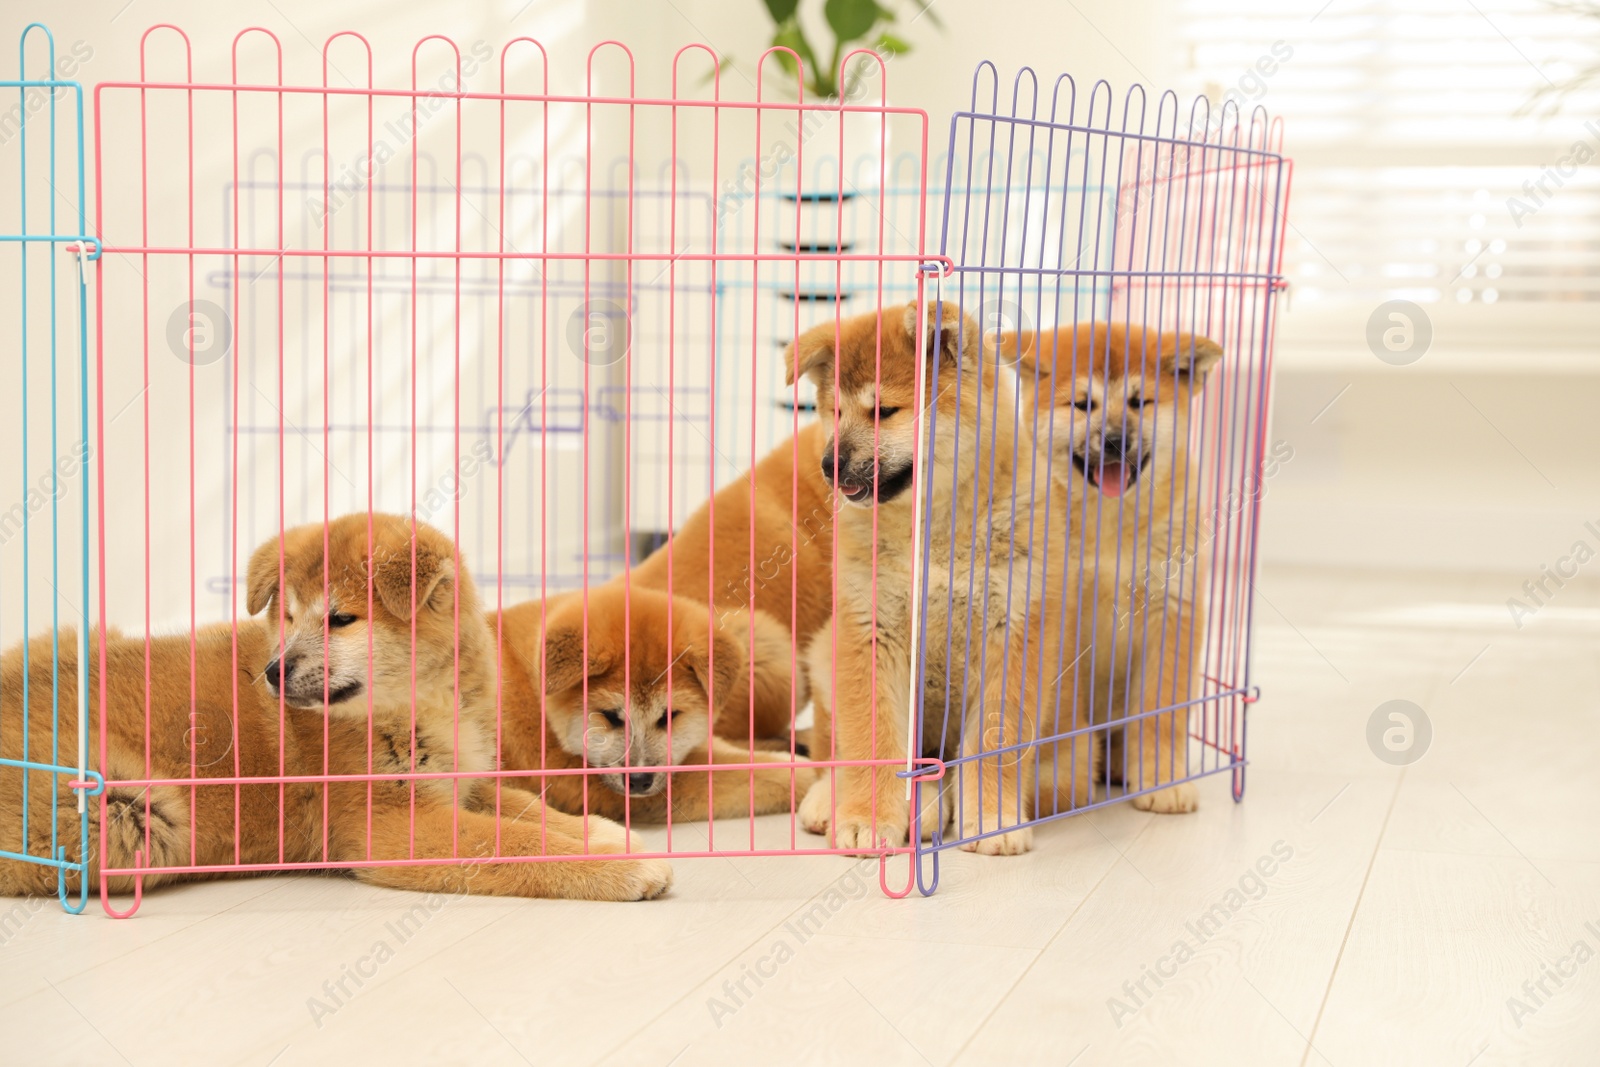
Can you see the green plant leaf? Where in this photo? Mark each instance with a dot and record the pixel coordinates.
(851, 20)
(890, 45)
(782, 10)
(784, 59)
(789, 35)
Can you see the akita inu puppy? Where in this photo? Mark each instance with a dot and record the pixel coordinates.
(367, 645)
(1118, 402)
(760, 554)
(639, 695)
(994, 616)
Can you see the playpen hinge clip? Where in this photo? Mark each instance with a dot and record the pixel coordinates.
(925, 769)
(92, 786)
(1252, 694)
(86, 249)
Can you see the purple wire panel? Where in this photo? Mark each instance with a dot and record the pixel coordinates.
(1141, 215)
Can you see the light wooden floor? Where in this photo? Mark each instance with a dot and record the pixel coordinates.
(1412, 904)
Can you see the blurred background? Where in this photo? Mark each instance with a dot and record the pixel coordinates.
(1436, 372)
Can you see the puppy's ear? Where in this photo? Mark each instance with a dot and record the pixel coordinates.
(716, 664)
(951, 335)
(564, 663)
(1020, 348)
(811, 354)
(405, 581)
(261, 578)
(560, 650)
(1194, 358)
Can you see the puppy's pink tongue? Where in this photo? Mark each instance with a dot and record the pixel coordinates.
(1113, 479)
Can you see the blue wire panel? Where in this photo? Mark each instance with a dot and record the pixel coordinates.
(44, 511)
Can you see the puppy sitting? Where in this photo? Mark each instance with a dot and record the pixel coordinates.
(368, 644)
(1117, 402)
(637, 696)
(994, 619)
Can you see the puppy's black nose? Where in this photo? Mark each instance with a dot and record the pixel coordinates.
(1114, 448)
(827, 466)
(273, 677)
(641, 781)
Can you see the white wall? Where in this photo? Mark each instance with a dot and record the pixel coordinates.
(1472, 458)
(1416, 469)
(104, 40)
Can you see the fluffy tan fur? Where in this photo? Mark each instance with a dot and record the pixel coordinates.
(332, 601)
(761, 548)
(993, 584)
(1149, 552)
(654, 674)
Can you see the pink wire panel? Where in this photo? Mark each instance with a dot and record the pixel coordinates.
(505, 314)
(549, 322)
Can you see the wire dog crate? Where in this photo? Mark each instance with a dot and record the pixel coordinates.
(552, 325)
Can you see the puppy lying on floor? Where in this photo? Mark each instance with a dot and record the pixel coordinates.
(754, 664)
(783, 583)
(736, 674)
(363, 654)
(1117, 402)
(654, 673)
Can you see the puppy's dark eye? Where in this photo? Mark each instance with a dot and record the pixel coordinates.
(1084, 405)
(1136, 402)
(338, 619)
(670, 713)
(612, 718)
(884, 413)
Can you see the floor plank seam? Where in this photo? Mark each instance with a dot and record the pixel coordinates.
(1046, 947)
(269, 889)
(765, 933)
(1377, 847)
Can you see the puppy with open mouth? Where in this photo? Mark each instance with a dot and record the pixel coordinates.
(993, 617)
(1117, 401)
(368, 655)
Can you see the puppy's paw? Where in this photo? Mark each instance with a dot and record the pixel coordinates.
(641, 879)
(604, 835)
(1010, 843)
(1173, 800)
(858, 833)
(936, 811)
(807, 778)
(805, 775)
(816, 807)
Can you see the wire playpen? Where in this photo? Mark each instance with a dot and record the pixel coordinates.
(552, 324)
